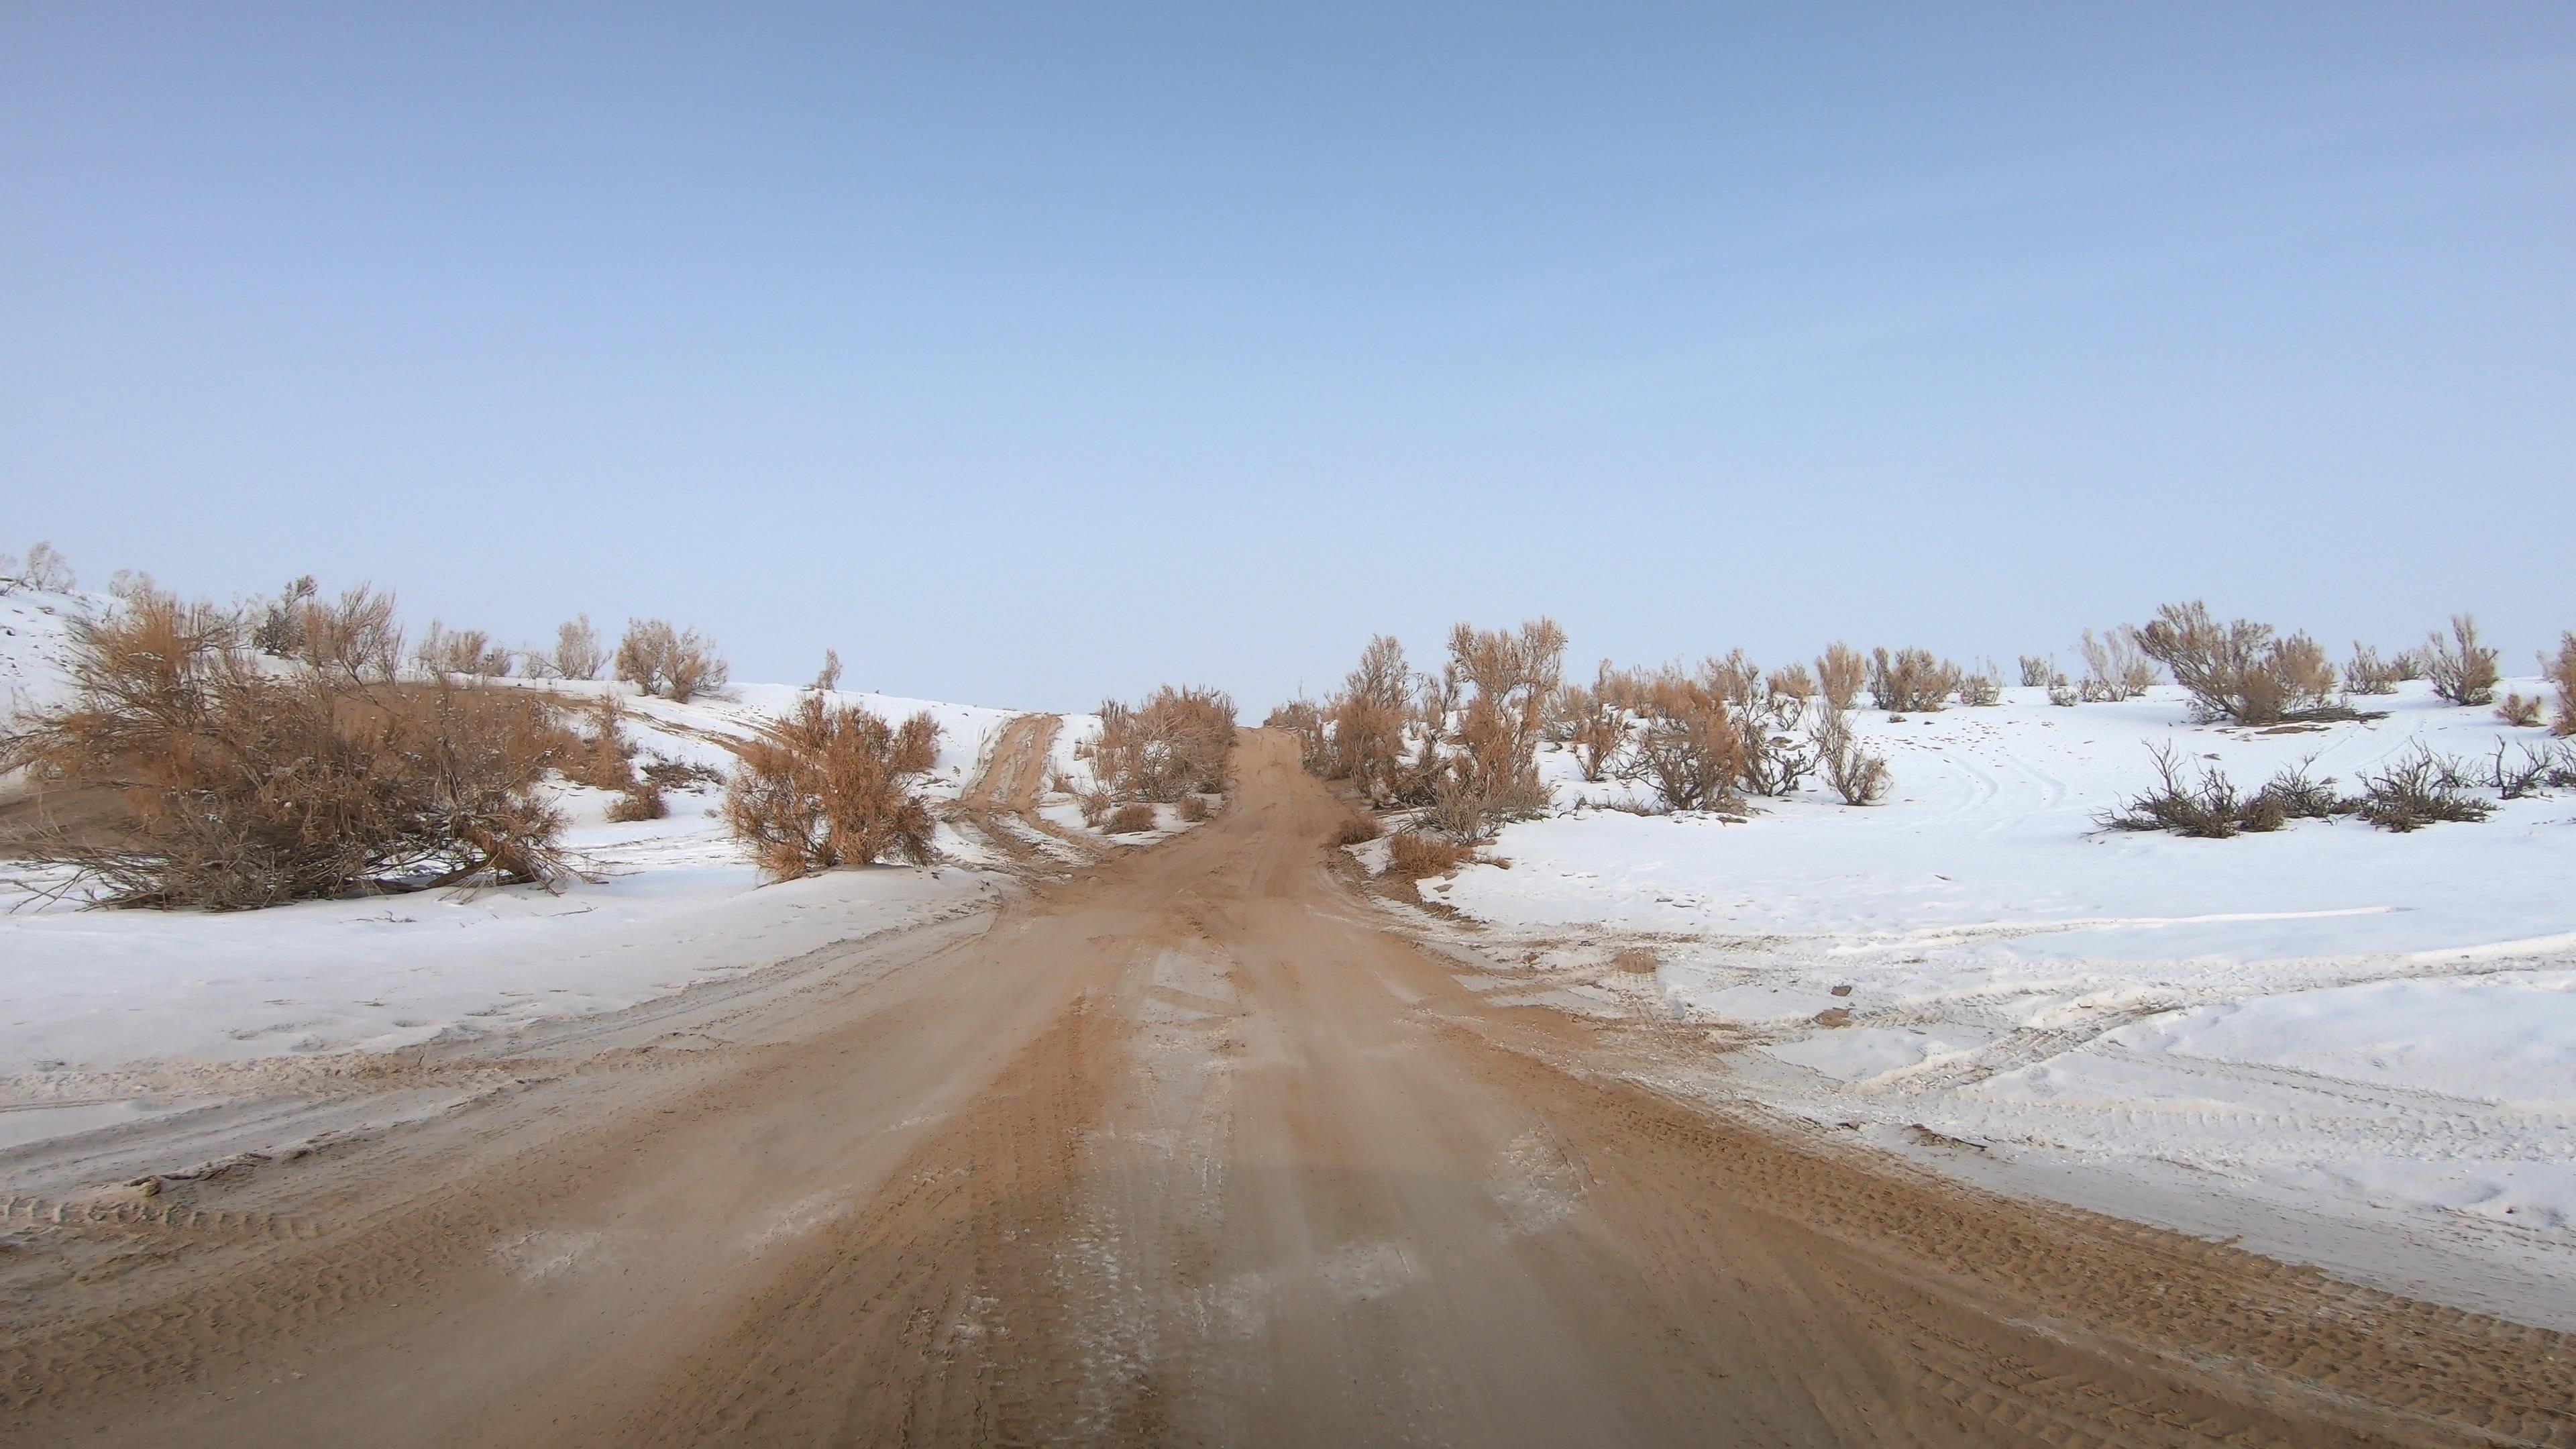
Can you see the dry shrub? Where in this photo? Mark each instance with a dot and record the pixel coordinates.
(1688, 746)
(2551, 766)
(2462, 670)
(1417, 853)
(2038, 671)
(2561, 672)
(2417, 789)
(1194, 808)
(664, 773)
(356, 635)
(677, 664)
(1736, 678)
(1595, 729)
(830, 786)
(1301, 717)
(2519, 711)
(1356, 827)
(1859, 777)
(1130, 819)
(2367, 673)
(44, 570)
(1910, 680)
(1840, 672)
(1636, 960)
(644, 802)
(1490, 772)
(1983, 688)
(606, 758)
(465, 651)
(1791, 682)
(577, 653)
(2239, 671)
(1368, 717)
(2117, 666)
(1178, 741)
(2210, 808)
(245, 788)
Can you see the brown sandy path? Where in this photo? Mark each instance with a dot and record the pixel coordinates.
(1189, 1148)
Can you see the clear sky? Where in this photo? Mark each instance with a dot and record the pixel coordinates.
(1031, 353)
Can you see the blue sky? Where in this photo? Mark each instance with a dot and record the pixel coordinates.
(1030, 354)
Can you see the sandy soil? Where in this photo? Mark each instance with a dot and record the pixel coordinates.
(1184, 1146)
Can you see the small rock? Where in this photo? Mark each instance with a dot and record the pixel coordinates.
(1834, 1016)
(1842, 990)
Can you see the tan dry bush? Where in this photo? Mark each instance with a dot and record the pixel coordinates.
(828, 786)
(644, 802)
(1194, 808)
(1303, 719)
(356, 635)
(1356, 827)
(1368, 718)
(1417, 854)
(2117, 666)
(1983, 688)
(1176, 742)
(464, 651)
(2367, 673)
(577, 653)
(1735, 678)
(1910, 680)
(1840, 672)
(1130, 819)
(1490, 774)
(243, 788)
(45, 570)
(1792, 682)
(605, 759)
(1636, 960)
(1689, 747)
(677, 664)
(1859, 777)
(2462, 670)
(2561, 672)
(2238, 670)
(2519, 711)
(2038, 671)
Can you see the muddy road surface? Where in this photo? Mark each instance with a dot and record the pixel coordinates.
(1190, 1145)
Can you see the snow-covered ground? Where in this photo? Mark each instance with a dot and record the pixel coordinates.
(86, 995)
(2375, 1026)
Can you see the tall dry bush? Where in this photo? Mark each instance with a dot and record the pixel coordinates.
(828, 786)
(43, 570)
(1791, 682)
(245, 788)
(1688, 746)
(1488, 773)
(2117, 666)
(1596, 730)
(1982, 688)
(1176, 742)
(677, 664)
(461, 651)
(1368, 717)
(2463, 671)
(577, 652)
(2561, 673)
(2238, 670)
(1305, 720)
(1860, 777)
(2367, 673)
(357, 635)
(2038, 671)
(1840, 672)
(1910, 680)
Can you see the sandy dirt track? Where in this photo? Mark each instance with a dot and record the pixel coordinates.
(1187, 1147)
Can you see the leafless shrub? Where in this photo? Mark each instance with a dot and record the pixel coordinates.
(1635, 960)
(2520, 711)
(1596, 731)
(243, 788)
(1769, 761)
(665, 773)
(1176, 742)
(1302, 718)
(356, 636)
(1910, 680)
(2211, 807)
(2547, 767)
(2561, 672)
(1859, 777)
(1792, 682)
(1194, 808)
(2116, 666)
(280, 630)
(44, 570)
(2239, 671)
(577, 653)
(1368, 718)
(2301, 796)
(828, 786)
(2063, 694)
(644, 802)
(606, 757)
(2417, 789)
(1130, 819)
(2462, 670)
(1095, 805)
(1356, 827)
(1840, 671)
(828, 678)
(1688, 747)
(2038, 671)
(1489, 772)
(1416, 853)
(677, 664)
(1983, 688)
(2367, 673)
(464, 651)
(126, 583)
(1736, 678)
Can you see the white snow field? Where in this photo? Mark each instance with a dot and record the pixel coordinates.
(86, 995)
(2333, 1020)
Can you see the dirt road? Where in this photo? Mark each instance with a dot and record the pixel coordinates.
(1190, 1147)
